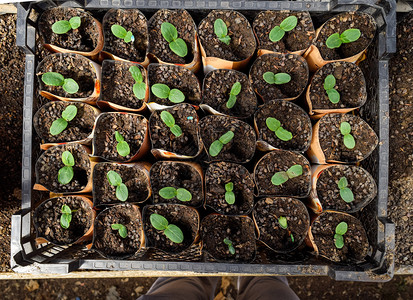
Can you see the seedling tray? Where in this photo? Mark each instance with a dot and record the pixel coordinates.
(27, 257)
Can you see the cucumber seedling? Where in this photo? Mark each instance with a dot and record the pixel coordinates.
(162, 91)
(221, 31)
(63, 26)
(66, 216)
(274, 125)
(231, 248)
(121, 189)
(235, 90)
(345, 193)
(279, 78)
(281, 177)
(348, 139)
(123, 232)
(341, 229)
(122, 33)
(229, 193)
(332, 93)
(350, 35)
(172, 232)
(170, 34)
(60, 124)
(139, 87)
(122, 147)
(56, 79)
(170, 192)
(278, 32)
(169, 121)
(217, 145)
(65, 174)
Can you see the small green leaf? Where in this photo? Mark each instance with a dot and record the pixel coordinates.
(58, 126)
(283, 222)
(183, 195)
(114, 178)
(349, 141)
(68, 159)
(69, 113)
(174, 233)
(295, 171)
(347, 195)
(176, 130)
(281, 78)
(70, 86)
(215, 148)
(122, 192)
(61, 27)
(333, 41)
(118, 31)
(227, 241)
(231, 248)
(341, 228)
(66, 209)
(53, 79)
(139, 90)
(136, 73)
(167, 118)
(129, 37)
(230, 197)
(333, 96)
(350, 35)
(226, 39)
(179, 47)
(292, 237)
(65, 220)
(289, 23)
(168, 192)
(229, 187)
(279, 178)
(221, 31)
(231, 101)
(176, 96)
(272, 123)
(65, 175)
(283, 134)
(342, 183)
(338, 241)
(169, 32)
(75, 22)
(123, 232)
(226, 137)
(236, 88)
(118, 137)
(161, 90)
(276, 34)
(269, 77)
(345, 128)
(329, 82)
(123, 148)
(158, 222)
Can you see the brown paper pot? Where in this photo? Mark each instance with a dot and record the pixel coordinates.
(86, 113)
(178, 174)
(117, 49)
(108, 243)
(46, 219)
(188, 35)
(313, 56)
(51, 39)
(321, 236)
(117, 87)
(329, 148)
(353, 93)
(46, 175)
(124, 123)
(134, 175)
(225, 57)
(295, 41)
(88, 76)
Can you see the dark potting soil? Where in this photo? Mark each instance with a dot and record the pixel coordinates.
(108, 241)
(350, 84)
(364, 22)
(356, 245)
(240, 149)
(117, 83)
(216, 91)
(131, 126)
(217, 176)
(77, 129)
(331, 139)
(177, 175)
(292, 64)
(175, 77)
(266, 214)
(85, 38)
(50, 162)
(299, 38)
(242, 44)
(277, 161)
(239, 230)
(186, 28)
(360, 182)
(72, 66)
(132, 20)
(132, 176)
(292, 117)
(185, 217)
(162, 138)
(47, 220)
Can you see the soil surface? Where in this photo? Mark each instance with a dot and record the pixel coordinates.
(350, 84)
(299, 38)
(108, 242)
(339, 24)
(85, 38)
(239, 230)
(177, 175)
(132, 176)
(292, 64)
(266, 214)
(356, 245)
(292, 117)
(217, 88)
(77, 129)
(277, 161)
(117, 83)
(132, 20)
(47, 216)
(331, 139)
(242, 44)
(217, 176)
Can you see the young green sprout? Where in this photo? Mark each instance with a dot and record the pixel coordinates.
(121, 33)
(229, 194)
(235, 90)
(123, 232)
(121, 189)
(274, 125)
(345, 193)
(122, 147)
(169, 121)
(139, 87)
(170, 34)
(221, 31)
(348, 139)
(279, 78)
(282, 221)
(170, 192)
(162, 91)
(63, 26)
(60, 124)
(66, 216)
(65, 174)
(341, 229)
(278, 32)
(332, 93)
(280, 177)
(231, 248)
(172, 232)
(56, 79)
(335, 40)
(217, 145)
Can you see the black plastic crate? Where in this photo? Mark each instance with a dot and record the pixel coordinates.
(26, 257)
